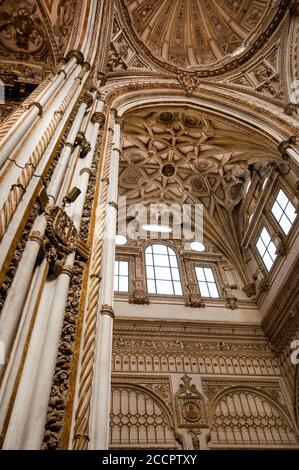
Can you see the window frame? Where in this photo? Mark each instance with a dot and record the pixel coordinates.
(259, 233)
(215, 276)
(173, 281)
(128, 261)
(274, 221)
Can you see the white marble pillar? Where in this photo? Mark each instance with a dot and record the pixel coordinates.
(100, 408)
(14, 303)
(35, 386)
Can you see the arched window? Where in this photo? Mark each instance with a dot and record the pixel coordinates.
(162, 271)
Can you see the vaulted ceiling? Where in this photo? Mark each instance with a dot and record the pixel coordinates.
(200, 34)
(181, 155)
(33, 37)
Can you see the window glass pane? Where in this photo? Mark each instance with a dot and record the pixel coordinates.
(277, 211)
(272, 250)
(284, 212)
(200, 274)
(268, 261)
(177, 288)
(285, 224)
(173, 261)
(165, 287)
(209, 275)
(121, 276)
(160, 249)
(175, 274)
(261, 247)
(123, 284)
(161, 260)
(203, 287)
(149, 259)
(162, 267)
(265, 236)
(151, 286)
(150, 272)
(290, 212)
(282, 199)
(213, 290)
(123, 268)
(163, 273)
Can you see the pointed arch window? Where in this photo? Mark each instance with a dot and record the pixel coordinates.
(162, 271)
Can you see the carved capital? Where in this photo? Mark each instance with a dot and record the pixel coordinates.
(87, 99)
(99, 118)
(107, 310)
(250, 289)
(232, 303)
(77, 55)
(38, 238)
(139, 297)
(84, 144)
(194, 301)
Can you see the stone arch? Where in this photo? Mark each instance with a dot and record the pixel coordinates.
(140, 418)
(244, 417)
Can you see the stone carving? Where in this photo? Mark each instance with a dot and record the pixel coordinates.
(64, 23)
(61, 383)
(85, 146)
(189, 82)
(190, 406)
(186, 48)
(152, 428)
(61, 239)
(22, 33)
(231, 424)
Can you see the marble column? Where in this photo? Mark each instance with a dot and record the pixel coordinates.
(99, 419)
(35, 386)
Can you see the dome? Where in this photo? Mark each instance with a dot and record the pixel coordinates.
(200, 34)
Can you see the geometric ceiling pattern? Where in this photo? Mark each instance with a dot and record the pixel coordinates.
(181, 155)
(195, 34)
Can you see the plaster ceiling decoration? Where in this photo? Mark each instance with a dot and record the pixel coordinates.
(34, 36)
(197, 35)
(179, 155)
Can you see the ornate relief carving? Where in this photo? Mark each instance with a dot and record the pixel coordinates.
(228, 41)
(248, 414)
(61, 239)
(190, 407)
(147, 419)
(153, 351)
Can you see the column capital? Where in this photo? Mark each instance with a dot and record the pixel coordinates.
(107, 310)
(77, 55)
(113, 204)
(87, 99)
(37, 237)
(99, 118)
